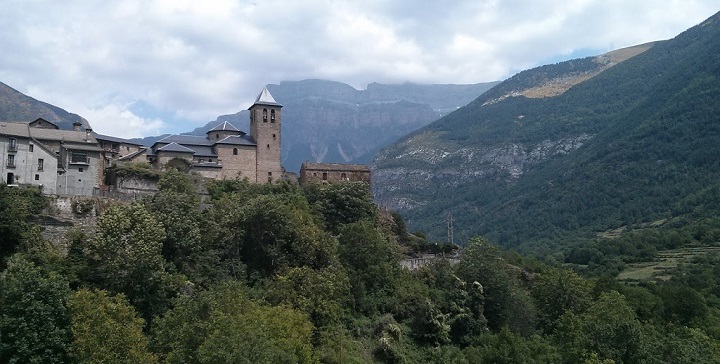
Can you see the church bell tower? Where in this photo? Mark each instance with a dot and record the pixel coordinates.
(265, 122)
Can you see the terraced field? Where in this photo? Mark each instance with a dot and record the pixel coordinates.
(659, 270)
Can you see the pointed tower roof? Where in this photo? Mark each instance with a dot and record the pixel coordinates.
(265, 98)
(225, 126)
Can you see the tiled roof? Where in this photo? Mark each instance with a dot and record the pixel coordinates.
(114, 139)
(237, 140)
(15, 129)
(175, 147)
(202, 151)
(134, 154)
(225, 126)
(62, 135)
(82, 146)
(265, 98)
(186, 139)
(336, 167)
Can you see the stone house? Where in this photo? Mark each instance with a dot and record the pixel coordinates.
(227, 152)
(38, 153)
(334, 172)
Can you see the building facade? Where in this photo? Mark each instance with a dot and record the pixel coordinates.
(58, 161)
(334, 172)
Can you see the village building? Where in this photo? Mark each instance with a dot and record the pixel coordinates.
(58, 161)
(333, 172)
(226, 152)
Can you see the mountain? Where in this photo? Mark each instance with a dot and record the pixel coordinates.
(570, 150)
(332, 122)
(15, 106)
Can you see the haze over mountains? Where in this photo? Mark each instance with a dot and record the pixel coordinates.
(571, 150)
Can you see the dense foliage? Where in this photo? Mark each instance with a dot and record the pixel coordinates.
(287, 274)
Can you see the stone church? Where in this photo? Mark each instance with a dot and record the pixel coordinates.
(226, 152)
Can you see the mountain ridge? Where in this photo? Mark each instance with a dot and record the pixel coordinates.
(523, 169)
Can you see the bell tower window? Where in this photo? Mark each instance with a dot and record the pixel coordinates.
(265, 115)
(272, 115)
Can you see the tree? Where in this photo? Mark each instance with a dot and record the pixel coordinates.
(106, 329)
(482, 263)
(341, 203)
(177, 207)
(223, 325)
(125, 256)
(609, 328)
(558, 291)
(16, 206)
(34, 325)
(371, 260)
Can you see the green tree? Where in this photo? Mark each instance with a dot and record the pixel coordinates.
(34, 324)
(223, 325)
(177, 207)
(322, 294)
(372, 262)
(16, 207)
(483, 263)
(125, 256)
(341, 203)
(609, 328)
(106, 330)
(557, 291)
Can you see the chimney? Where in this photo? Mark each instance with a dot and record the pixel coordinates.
(77, 125)
(87, 135)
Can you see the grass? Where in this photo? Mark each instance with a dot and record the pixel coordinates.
(666, 261)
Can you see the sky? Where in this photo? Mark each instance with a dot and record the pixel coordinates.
(147, 67)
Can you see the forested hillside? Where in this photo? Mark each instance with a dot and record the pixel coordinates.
(634, 144)
(288, 274)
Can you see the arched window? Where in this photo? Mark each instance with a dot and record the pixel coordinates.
(265, 115)
(272, 115)
(234, 151)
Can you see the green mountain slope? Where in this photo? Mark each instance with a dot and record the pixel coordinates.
(15, 106)
(624, 142)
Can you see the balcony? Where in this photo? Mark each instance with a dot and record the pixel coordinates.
(79, 160)
(12, 147)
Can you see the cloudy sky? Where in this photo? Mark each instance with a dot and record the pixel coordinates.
(147, 67)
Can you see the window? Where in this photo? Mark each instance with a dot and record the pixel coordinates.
(79, 157)
(11, 161)
(13, 145)
(80, 170)
(268, 145)
(41, 164)
(31, 147)
(217, 136)
(210, 160)
(272, 116)
(324, 176)
(37, 177)
(273, 136)
(343, 176)
(314, 174)
(269, 176)
(234, 151)
(264, 115)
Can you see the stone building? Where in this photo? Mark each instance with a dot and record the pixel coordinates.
(38, 153)
(227, 152)
(334, 172)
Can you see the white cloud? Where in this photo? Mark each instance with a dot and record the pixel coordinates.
(191, 61)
